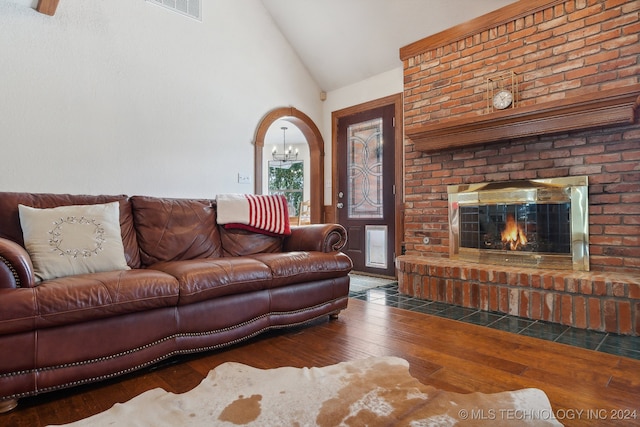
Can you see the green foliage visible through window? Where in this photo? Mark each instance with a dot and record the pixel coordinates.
(287, 178)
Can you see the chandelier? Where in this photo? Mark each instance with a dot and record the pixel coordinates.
(287, 155)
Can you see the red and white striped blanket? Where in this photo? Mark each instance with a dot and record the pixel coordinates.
(262, 214)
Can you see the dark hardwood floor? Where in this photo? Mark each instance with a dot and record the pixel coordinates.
(444, 353)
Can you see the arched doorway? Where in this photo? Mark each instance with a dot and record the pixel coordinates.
(316, 154)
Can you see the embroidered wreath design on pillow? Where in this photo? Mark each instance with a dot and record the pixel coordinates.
(57, 237)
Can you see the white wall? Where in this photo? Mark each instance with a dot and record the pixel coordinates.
(385, 84)
(121, 96)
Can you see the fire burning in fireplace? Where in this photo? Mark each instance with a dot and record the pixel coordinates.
(541, 223)
(513, 235)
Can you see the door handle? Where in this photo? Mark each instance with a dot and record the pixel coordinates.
(340, 205)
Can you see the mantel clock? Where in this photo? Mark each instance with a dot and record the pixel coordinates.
(502, 91)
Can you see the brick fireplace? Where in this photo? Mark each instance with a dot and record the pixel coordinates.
(577, 115)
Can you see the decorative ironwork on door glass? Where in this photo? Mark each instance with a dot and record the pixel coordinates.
(364, 169)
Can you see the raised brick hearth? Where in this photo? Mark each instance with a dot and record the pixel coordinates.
(561, 50)
(597, 301)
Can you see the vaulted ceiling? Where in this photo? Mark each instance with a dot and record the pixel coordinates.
(342, 42)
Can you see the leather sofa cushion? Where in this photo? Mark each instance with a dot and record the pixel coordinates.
(298, 267)
(17, 310)
(205, 279)
(175, 229)
(10, 220)
(211, 278)
(237, 242)
(87, 297)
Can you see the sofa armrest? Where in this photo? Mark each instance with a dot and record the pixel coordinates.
(16, 269)
(316, 237)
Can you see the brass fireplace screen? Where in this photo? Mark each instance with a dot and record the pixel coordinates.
(540, 223)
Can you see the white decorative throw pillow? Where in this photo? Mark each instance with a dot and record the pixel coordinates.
(70, 240)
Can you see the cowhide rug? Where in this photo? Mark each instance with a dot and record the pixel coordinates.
(369, 392)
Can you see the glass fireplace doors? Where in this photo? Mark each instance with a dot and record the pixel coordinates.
(534, 223)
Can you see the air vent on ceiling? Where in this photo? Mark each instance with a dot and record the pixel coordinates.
(190, 8)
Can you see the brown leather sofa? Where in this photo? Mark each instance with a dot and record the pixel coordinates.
(193, 286)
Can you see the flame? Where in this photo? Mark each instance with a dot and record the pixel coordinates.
(513, 234)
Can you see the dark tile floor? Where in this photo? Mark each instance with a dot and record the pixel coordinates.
(385, 292)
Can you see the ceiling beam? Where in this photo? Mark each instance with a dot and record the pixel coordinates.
(48, 7)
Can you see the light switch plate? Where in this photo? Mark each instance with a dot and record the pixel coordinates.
(244, 179)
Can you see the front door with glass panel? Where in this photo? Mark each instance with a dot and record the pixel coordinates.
(365, 198)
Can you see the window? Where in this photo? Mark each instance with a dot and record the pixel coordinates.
(287, 178)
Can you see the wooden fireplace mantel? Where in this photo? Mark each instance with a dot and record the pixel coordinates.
(599, 109)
